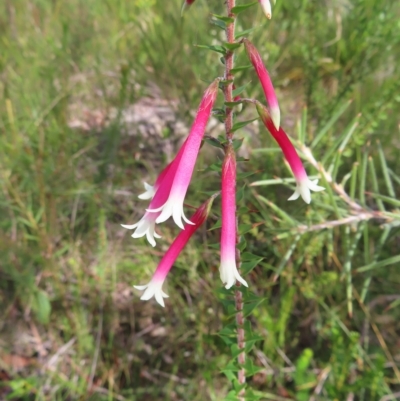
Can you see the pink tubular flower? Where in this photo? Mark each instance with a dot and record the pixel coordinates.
(154, 287)
(173, 206)
(228, 270)
(265, 81)
(266, 7)
(159, 193)
(303, 183)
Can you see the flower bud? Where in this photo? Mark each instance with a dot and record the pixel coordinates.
(265, 81)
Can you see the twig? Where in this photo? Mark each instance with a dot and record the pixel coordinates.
(364, 216)
(336, 187)
(321, 381)
(230, 38)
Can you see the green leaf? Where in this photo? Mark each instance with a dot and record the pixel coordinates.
(232, 46)
(239, 194)
(232, 395)
(382, 263)
(218, 224)
(241, 245)
(340, 144)
(302, 126)
(218, 23)
(242, 124)
(301, 376)
(235, 350)
(385, 171)
(227, 20)
(284, 315)
(330, 123)
(244, 228)
(241, 176)
(215, 48)
(239, 90)
(251, 369)
(244, 33)
(214, 142)
(247, 267)
(243, 7)
(247, 256)
(280, 212)
(375, 184)
(363, 176)
(240, 68)
(233, 104)
(392, 201)
(249, 307)
(286, 257)
(237, 143)
(42, 306)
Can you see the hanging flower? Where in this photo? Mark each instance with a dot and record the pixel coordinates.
(173, 206)
(303, 184)
(154, 287)
(228, 270)
(265, 81)
(266, 7)
(159, 194)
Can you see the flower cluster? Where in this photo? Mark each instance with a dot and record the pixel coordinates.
(168, 193)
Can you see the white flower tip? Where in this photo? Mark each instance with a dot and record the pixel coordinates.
(187, 220)
(129, 226)
(160, 300)
(153, 289)
(295, 196)
(178, 214)
(314, 187)
(145, 227)
(304, 188)
(150, 191)
(244, 282)
(229, 275)
(151, 240)
(140, 287)
(179, 223)
(233, 282)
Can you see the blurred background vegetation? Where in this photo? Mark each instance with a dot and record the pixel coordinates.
(95, 97)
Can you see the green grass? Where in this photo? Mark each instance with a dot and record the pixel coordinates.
(73, 328)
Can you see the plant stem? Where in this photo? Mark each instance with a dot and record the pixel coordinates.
(230, 38)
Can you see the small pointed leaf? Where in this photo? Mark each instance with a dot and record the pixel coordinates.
(243, 7)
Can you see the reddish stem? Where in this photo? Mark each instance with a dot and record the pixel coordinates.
(230, 38)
